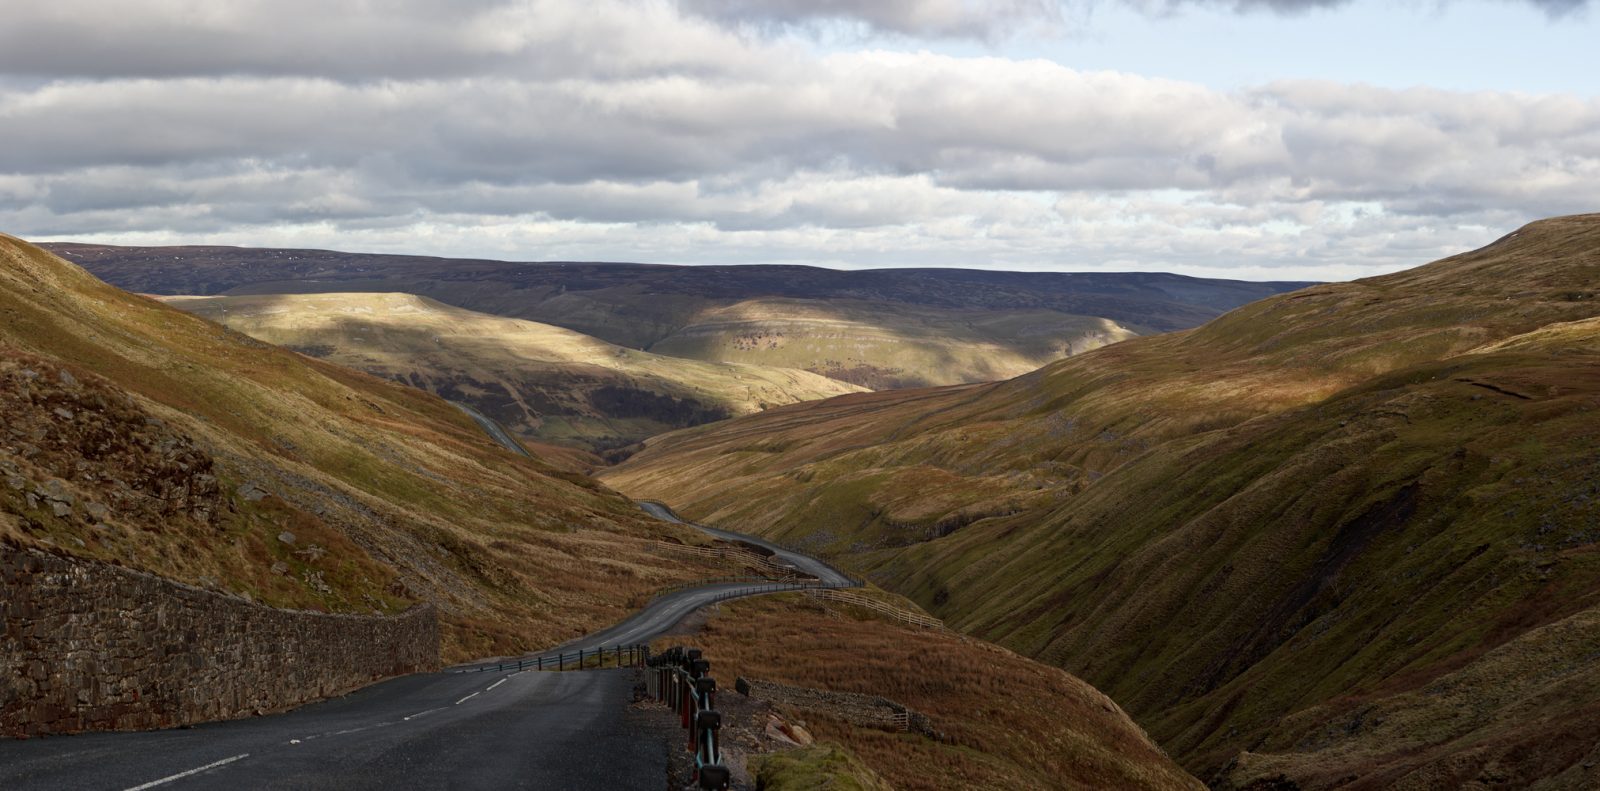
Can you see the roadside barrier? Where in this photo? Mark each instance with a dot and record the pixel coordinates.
(582, 659)
(869, 603)
(681, 678)
(701, 583)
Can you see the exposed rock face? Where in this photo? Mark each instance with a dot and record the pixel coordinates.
(62, 436)
(89, 646)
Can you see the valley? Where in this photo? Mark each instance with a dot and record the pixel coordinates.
(1342, 536)
(878, 329)
(540, 381)
(143, 436)
(762, 395)
(1283, 540)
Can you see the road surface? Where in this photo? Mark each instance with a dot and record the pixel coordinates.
(493, 428)
(455, 729)
(805, 563)
(436, 730)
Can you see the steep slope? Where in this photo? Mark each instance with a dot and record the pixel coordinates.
(999, 720)
(544, 382)
(138, 434)
(876, 328)
(1345, 535)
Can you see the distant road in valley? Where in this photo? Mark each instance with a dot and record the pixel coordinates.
(806, 564)
(455, 729)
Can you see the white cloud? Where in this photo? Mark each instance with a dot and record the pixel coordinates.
(612, 129)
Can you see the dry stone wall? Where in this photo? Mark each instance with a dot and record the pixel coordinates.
(90, 646)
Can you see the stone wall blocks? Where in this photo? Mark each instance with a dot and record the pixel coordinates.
(100, 647)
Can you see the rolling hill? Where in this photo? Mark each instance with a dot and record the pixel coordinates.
(135, 433)
(543, 382)
(1344, 536)
(875, 328)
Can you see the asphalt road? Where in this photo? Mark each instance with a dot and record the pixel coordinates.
(493, 428)
(428, 731)
(653, 621)
(449, 730)
(805, 563)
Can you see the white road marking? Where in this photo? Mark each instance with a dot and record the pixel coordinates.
(181, 775)
(294, 741)
(420, 713)
(467, 698)
(496, 684)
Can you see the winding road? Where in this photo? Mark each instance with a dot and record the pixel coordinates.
(806, 564)
(454, 729)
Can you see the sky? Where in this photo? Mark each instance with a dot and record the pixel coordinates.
(1253, 139)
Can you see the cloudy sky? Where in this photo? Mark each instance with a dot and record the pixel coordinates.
(1291, 139)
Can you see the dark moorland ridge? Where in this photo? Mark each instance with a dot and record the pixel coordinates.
(1347, 536)
(1157, 301)
(787, 326)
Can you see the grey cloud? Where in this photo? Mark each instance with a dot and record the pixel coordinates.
(988, 19)
(937, 18)
(596, 129)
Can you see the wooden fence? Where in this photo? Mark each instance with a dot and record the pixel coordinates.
(875, 605)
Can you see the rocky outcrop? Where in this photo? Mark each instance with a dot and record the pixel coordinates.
(80, 449)
(89, 646)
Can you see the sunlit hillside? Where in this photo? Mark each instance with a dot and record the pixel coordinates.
(142, 435)
(875, 328)
(541, 381)
(1356, 504)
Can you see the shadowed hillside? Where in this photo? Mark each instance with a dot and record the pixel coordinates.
(1344, 536)
(138, 434)
(875, 328)
(999, 720)
(544, 382)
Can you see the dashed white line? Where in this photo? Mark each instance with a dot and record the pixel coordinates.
(467, 698)
(420, 713)
(195, 771)
(496, 684)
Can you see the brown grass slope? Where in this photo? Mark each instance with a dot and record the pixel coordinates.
(1323, 535)
(875, 328)
(138, 434)
(1005, 722)
(541, 381)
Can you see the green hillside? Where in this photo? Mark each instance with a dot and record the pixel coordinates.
(544, 382)
(138, 434)
(1345, 535)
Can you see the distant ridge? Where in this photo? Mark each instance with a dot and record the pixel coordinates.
(883, 328)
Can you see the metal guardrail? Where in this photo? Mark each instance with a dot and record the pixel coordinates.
(774, 587)
(659, 593)
(681, 678)
(583, 659)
